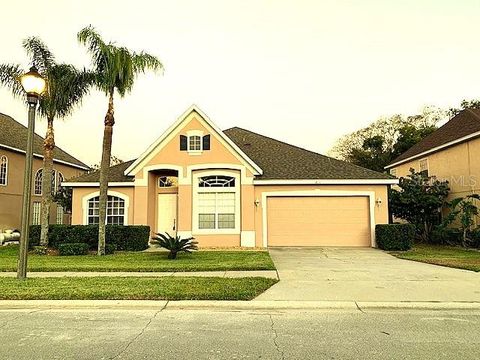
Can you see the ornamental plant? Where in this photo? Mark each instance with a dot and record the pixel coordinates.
(175, 244)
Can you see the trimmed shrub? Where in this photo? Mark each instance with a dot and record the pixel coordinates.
(110, 249)
(125, 238)
(395, 236)
(73, 249)
(446, 236)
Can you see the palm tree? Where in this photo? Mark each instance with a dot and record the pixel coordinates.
(66, 87)
(116, 69)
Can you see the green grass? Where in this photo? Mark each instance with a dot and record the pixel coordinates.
(141, 261)
(443, 255)
(134, 288)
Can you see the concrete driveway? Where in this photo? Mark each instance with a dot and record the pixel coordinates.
(365, 274)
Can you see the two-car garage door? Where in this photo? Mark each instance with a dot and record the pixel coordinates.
(318, 221)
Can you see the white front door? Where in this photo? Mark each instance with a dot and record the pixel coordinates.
(167, 214)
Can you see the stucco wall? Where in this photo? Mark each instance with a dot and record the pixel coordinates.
(11, 195)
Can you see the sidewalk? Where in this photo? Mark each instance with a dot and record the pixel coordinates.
(272, 274)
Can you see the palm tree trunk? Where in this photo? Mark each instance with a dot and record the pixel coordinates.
(104, 174)
(48, 146)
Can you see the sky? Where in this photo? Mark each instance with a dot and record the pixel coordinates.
(304, 72)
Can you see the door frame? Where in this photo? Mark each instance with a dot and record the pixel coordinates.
(318, 193)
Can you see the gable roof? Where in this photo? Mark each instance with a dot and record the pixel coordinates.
(137, 163)
(463, 126)
(280, 160)
(13, 136)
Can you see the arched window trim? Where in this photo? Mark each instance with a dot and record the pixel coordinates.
(3, 170)
(90, 196)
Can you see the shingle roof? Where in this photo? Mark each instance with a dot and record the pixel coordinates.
(277, 159)
(280, 160)
(116, 174)
(465, 123)
(14, 135)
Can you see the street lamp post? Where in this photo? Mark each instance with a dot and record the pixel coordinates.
(34, 86)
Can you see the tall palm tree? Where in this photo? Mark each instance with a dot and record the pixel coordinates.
(65, 89)
(116, 69)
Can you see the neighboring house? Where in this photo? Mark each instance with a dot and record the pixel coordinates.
(238, 188)
(450, 153)
(13, 141)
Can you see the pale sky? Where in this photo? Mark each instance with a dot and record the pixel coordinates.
(305, 72)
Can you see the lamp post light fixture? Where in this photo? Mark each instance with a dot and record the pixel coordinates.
(34, 85)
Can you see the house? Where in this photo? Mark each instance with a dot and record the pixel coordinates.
(238, 188)
(13, 141)
(450, 153)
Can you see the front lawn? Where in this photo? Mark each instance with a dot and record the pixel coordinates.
(141, 261)
(443, 255)
(134, 288)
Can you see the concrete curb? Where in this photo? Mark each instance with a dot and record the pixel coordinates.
(271, 274)
(233, 305)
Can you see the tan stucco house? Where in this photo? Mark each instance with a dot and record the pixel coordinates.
(238, 188)
(13, 141)
(450, 153)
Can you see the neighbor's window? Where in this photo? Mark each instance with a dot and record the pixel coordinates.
(60, 213)
(216, 202)
(393, 172)
(60, 179)
(424, 167)
(3, 170)
(115, 211)
(37, 206)
(195, 143)
(37, 188)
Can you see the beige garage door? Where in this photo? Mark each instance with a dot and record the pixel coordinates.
(318, 221)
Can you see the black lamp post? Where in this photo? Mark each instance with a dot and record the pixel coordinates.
(34, 86)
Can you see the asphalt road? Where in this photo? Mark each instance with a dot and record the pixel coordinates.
(214, 334)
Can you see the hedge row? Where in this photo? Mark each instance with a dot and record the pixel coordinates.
(124, 237)
(395, 237)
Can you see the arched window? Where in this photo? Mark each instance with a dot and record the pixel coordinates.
(37, 186)
(216, 204)
(3, 170)
(115, 210)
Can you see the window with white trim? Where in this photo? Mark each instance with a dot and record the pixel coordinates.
(37, 208)
(60, 179)
(3, 170)
(194, 143)
(216, 206)
(115, 210)
(60, 213)
(393, 172)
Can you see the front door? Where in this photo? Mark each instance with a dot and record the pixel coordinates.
(167, 214)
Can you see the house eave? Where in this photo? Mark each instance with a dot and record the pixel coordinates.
(97, 184)
(327, 182)
(435, 149)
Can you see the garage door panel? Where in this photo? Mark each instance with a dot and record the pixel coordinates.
(318, 221)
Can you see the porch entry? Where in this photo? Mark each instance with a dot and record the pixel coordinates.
(167, 214)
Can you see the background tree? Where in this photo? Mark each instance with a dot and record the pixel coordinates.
(465, 104)
(65, 88)
(113, 161)
(465, 209)
(376, 145)
(116, 69)
(419, 200)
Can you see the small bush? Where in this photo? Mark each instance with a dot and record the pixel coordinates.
(110, 249)
(475, 237)
(395, 236)
(40, 250)
(125, 238)
(446, 236)
(73, 249)
(175, 244)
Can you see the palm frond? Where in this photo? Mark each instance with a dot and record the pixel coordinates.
(144, 61)
(10, 78)
(40, 55)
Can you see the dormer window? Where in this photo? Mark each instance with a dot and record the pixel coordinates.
(194, 142)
